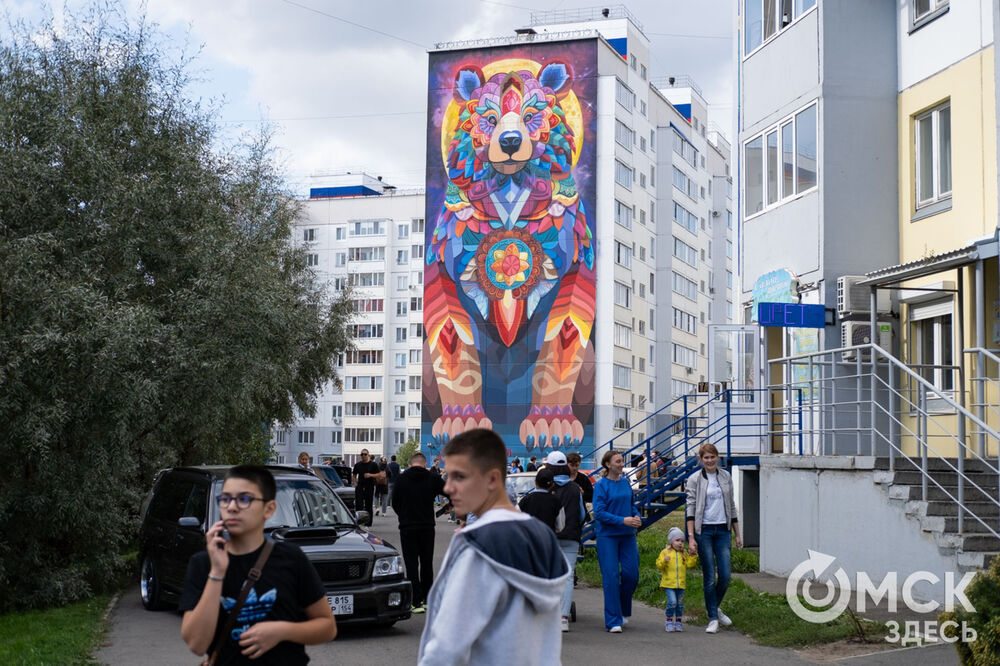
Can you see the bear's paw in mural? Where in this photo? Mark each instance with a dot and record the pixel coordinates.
(551, 428)
(456, 419)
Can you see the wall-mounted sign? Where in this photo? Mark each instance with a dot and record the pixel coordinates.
(779, 286)
(791, 315)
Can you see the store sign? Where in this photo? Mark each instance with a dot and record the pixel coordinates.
(791, 315)
(779, 286)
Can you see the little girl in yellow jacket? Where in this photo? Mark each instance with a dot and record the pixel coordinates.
(673, 563)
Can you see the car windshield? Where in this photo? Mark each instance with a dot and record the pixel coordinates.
(330, 475)
(307, 503)
(519, 485)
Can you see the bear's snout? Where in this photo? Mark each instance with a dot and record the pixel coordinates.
(510, 142)
(509, 150)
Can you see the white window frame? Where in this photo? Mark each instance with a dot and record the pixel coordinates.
(778, 29)
(936, 310)
(782, 196)
(937, 195)
(935, 9)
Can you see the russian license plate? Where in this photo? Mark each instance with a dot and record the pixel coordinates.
(341, 604)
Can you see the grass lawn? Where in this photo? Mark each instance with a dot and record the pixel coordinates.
(765, 617)
(66, 635)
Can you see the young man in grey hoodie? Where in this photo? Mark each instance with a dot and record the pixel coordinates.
(497, 597)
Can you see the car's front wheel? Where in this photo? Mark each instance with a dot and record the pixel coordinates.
(149, 586)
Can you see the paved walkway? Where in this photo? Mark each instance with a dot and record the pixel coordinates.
(139, 636)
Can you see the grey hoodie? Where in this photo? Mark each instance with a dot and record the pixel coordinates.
(497, 598)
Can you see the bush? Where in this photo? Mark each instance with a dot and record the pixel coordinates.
(744, 560)
(984, 595)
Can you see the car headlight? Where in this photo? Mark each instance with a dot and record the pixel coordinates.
(388, 566)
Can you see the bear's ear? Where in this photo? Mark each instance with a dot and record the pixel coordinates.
(468, 79)
(556, 76)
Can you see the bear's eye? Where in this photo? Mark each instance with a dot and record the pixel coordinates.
(492, 120)
(528, 117)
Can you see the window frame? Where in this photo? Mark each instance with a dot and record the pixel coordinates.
(775, 128)
(933, 13)
(764, 41)
(937, 197)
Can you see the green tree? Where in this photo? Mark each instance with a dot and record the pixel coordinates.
(153, 310)
(406, 451)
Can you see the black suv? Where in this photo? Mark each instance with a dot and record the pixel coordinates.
(331, 475)
(362, 574)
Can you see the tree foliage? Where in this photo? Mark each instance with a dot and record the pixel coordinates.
(153, 310)
(406, 451)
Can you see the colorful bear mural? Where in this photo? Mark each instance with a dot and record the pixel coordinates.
(509, 284)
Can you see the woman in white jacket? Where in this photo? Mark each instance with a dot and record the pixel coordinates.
(710, 511)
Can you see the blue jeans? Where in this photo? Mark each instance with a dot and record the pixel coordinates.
(619, 560)
(570, 549)
(675, 602)
(714, 543)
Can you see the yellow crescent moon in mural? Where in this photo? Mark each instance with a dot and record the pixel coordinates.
(569, 104)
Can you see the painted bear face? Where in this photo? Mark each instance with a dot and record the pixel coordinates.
(509, 117)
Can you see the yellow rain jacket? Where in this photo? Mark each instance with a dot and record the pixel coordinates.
(674, 564)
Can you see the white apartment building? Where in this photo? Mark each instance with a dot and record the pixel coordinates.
(366, 234)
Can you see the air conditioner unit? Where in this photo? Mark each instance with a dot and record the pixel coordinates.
(715, 213)
(853, 333)
(853, 298)
(337, 421)
(690, 371)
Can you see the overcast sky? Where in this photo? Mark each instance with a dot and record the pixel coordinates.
(345, 82)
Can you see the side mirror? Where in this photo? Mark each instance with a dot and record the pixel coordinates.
(189, 521)
(363, 517)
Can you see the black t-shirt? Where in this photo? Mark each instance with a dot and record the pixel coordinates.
(586, 485)
(542, 505)
(288, 585)
(362, 468)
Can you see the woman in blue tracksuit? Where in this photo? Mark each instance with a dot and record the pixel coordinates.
(617, 550)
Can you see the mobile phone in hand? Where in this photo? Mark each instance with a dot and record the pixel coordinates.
(225, 537)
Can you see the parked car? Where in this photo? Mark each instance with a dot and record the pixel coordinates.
(362, 574)
(331, 475)
(519, 485)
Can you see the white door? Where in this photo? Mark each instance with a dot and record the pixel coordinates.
(734, 363)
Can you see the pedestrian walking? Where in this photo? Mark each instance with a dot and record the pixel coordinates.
(540, 503)
(496, 599)
(382, 487)
(673, 563)
(710, 510)
(573, 461)
(532, 465)
(239, 563)
(413, 501)
(392, 473)
(570, 497)
(365, 472)
(515, 466)
(617, 549)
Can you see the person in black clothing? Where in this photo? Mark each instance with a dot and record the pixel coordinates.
(392, 473)
(570, 497)
(573, 462)
(532, 465)
(413, 502)
(365, 473)
(540, 502)
(287, 607)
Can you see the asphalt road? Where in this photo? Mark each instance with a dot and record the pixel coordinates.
(138, 636)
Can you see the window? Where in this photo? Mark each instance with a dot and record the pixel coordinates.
(401, 282)
(623, 295)
(642, 143)
(418, 276)
(417, 225)
(368, 304)
(307, 436)
(364, 357)
(685, 356)
(416, 304)
(340, 233)
(642, 294)
(623, 135)
(413, 408)
(366, 228)
(623, 175)
(365, 330)
(400, 387)
(417, 251)
(337, 411)
(364, 383)
(623, 336)
(399, 412)
(400, 308)
(685, 184)
(415, 355)
(363, 408)
(642, 253)
(685, 218)
(642, 217)
(642, 107)
(633, 61)
(341, 259)
(652, 320)
(623, 214)
(366, 279)
(763, 19)
(923, 12)
(402, 257)
(403, 231)
(401, 331)
(642, 324)
(685, 287)
(729, 249)
(621, 418)
(932, 139)
(415, 382)
(652, 139)
(362, 435)
(685, 149)
(642, 72)
(623, 254)
(337, 437)
(622, 375)
(781, 162)
(400, 360)
(416, 331)
(932, 342)
(312, 260)
(685, 252)
(308, 235)
(624, 95)
(685, 321)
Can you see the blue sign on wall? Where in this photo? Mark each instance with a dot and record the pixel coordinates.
(791, 315)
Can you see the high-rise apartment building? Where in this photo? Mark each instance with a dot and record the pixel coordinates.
(365, 235)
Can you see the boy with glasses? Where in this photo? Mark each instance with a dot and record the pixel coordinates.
(286, 608)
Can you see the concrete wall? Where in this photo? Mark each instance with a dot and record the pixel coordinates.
(964, 29)
(828, 505)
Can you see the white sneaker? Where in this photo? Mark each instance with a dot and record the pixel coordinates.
(625, 620)
(564, 624)
(713, 627)
(615, 630)
(724, 619)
